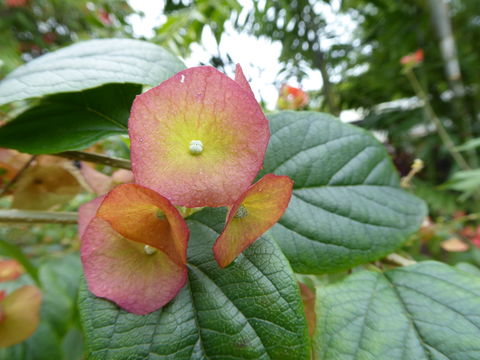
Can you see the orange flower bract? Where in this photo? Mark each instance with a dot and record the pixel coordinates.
(199, 138)
(256, 211)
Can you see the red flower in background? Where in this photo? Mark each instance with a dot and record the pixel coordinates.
(291, 98)
(472, 234)
(476, 239)
(50, 37)
(104, 17)
(16, 3)
(413, 58)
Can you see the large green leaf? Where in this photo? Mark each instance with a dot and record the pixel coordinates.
(250, 310)
(71, 121)
(90, 64)
(428, 311)
(347, 207)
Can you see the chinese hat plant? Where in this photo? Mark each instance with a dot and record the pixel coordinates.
(198, 139)
(257, 210)
(133, 248)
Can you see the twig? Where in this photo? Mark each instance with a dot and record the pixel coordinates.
(416, 167)
(17, 175)
(459, 159)
(399, 260)
(96, 158)
(37, 217)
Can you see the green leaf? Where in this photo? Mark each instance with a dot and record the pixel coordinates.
(347, 207)
(90, 64)
(469, 145)
(469, 268)
(71, 121)
(250, 310)
(422, 312)
(60, 282)
(466, 180)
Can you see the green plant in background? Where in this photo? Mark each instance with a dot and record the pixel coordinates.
(31, 28)
(347, 211)
(362, 71)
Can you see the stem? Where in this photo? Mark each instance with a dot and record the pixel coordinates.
(17, 175)
(96, 158)
(440, 16)
(416, 167)
(447, 141)
(399, 260)
(37, 217)
(327, 86)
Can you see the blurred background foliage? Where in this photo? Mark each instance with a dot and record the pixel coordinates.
(29, 28)
(360, 71)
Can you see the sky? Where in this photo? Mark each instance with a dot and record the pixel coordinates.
(258, 57)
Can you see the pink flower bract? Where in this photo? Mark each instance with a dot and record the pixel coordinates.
(199, 138)
(256, 211)
(134, 248)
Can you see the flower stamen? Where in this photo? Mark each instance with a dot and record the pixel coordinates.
(195, 147)
(149, 250)
(241, 212)
(160, 215)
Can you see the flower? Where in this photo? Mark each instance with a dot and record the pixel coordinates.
(46, 183)
(19, 314)
(254, 212)
(291, 98)
(16, 3)
(104, 17)
(413, 58)
(133, 248)
(10, 270)
(100, 183)
(475, 238)
(199, 138)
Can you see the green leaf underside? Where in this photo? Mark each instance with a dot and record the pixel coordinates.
(90, 64)
(428, 311)
(71, 121)
(347, 207)
(250, 310)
